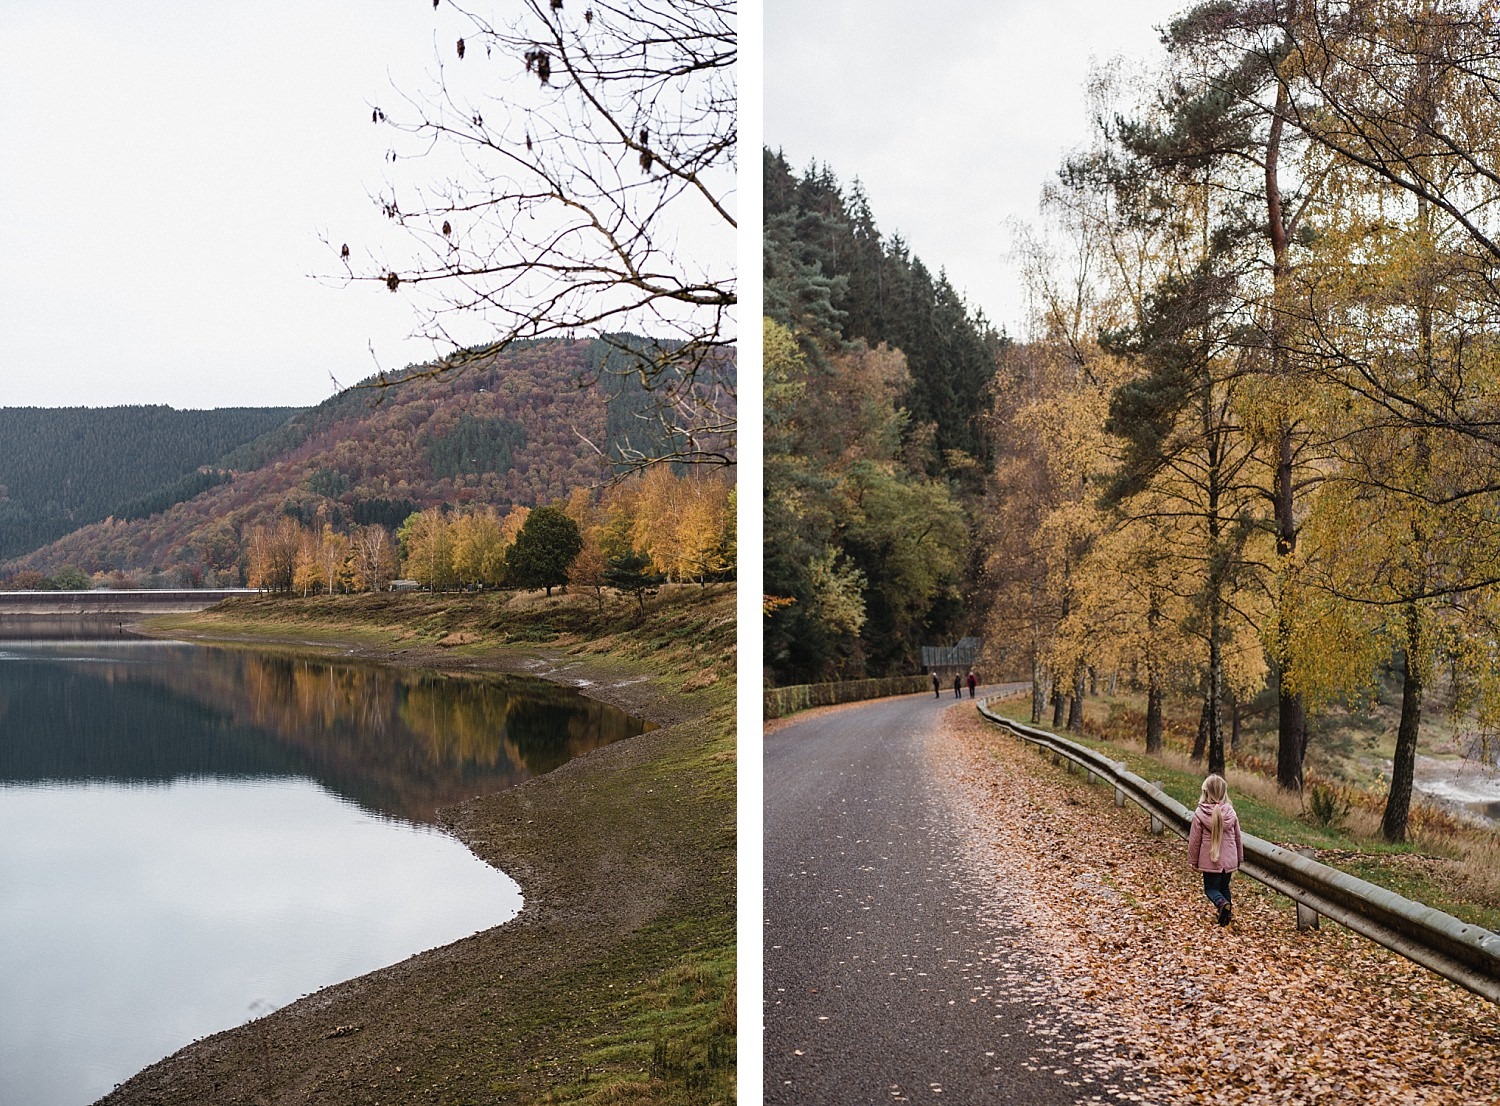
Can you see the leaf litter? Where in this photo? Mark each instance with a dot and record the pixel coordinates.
(1160, 1003)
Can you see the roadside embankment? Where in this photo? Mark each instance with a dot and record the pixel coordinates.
(616, 982)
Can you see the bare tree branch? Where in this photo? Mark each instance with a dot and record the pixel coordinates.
(577, 180)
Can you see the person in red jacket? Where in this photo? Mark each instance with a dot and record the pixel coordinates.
(1214, 845)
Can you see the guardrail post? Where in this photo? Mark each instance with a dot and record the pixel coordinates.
(1158, 827)
(1307, 917)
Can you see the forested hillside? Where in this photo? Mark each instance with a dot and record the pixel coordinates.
(61, 468)
(522, 429)
(876, 389)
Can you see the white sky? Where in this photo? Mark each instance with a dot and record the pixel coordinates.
(166, 168)
(953, 114)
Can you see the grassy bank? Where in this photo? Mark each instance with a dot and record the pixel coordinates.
(616, 982)
(1445, 864)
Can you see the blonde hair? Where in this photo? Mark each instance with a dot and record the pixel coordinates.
(1215, 791)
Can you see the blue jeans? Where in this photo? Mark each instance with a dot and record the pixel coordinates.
(1216, 887)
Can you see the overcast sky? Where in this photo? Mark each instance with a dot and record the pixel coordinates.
(952, 114)
(166, 169)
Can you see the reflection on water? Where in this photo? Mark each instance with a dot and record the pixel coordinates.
(397, 743)
(189, 836)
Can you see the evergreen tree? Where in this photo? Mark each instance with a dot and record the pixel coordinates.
(543, 549)
(832, 279)
(632, 573)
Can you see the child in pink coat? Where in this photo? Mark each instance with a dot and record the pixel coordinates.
(1214, 846)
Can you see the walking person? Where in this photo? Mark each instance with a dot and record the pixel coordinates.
(936, 687)
(1214, 845)
(958, 686)
(973, 683)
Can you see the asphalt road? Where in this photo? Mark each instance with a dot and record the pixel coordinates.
(891, 974)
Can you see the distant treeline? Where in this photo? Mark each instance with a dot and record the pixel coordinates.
(175, 492)
(62, 468)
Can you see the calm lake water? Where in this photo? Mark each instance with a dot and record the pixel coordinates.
(192, 837)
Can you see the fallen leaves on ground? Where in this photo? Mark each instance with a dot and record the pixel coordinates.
(1169, 1006)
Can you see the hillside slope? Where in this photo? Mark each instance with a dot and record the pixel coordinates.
(62, 468)
(522, 428)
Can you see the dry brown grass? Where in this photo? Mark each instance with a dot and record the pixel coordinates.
(1479, 868)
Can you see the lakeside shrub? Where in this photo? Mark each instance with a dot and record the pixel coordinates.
(1327, 806)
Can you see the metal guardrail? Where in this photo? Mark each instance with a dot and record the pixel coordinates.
(1466, 954)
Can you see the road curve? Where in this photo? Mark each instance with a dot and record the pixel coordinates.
(890, 973)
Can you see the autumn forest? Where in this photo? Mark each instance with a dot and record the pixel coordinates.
(1249, 448)
(518, 469)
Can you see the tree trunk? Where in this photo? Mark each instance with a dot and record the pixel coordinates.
(1291, 733)
(1057, 707)
(1291, 739)
(1211, 706)
(1153, 715)
(1210, 739)
(1075, 704)
(1403, 769)
(1038, 691)
(1234, 723)
(1200, 743)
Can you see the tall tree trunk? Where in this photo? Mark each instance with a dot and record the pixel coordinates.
(1153, 676)
(1291, 734)
(1209, 733)
(1404, 764)
(1211, 701)
(1200, 742)
(1291, 740)
(1234, 722)
(1153, 714)
(1403, 769)
(1038, 689)
(1075, 704)
(1057, 707)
